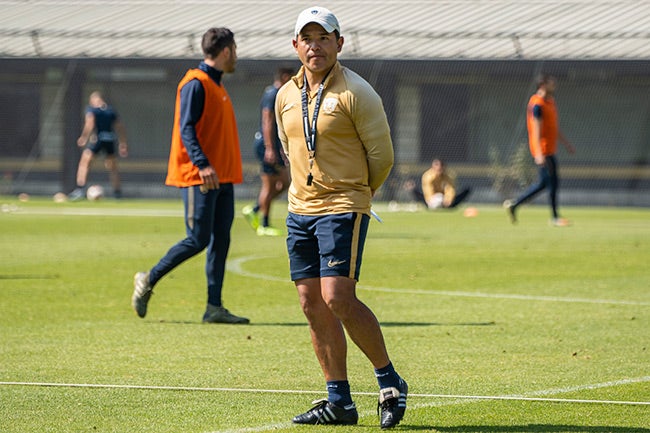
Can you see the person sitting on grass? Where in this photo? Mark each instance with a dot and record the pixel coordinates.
(438, 190)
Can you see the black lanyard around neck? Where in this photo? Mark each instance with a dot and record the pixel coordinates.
(310, 131)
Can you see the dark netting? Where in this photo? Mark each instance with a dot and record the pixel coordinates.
(470, 113)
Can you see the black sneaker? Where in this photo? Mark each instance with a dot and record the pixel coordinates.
(214, 314)
(325, 412)
(392, 404)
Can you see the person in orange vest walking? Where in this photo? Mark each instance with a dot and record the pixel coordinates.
(543, 135)
(204, 163)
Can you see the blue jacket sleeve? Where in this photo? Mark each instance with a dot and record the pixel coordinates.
(192, 102)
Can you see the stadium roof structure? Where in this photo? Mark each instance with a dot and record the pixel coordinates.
(373, 29)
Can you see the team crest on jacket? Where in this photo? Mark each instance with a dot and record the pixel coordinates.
(329, 104)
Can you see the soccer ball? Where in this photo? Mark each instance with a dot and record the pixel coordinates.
(94, 192)
(59, 197)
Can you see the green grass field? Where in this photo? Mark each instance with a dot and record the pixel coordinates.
(497, 328)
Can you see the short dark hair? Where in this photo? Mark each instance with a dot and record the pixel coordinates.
(282, 70)
(544, 79)
(215, 40)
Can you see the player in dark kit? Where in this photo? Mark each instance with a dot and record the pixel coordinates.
(273, 173)
(102, 127)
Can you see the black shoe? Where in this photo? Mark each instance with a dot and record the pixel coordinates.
(325, 412)
(392, 404)
(214, 314)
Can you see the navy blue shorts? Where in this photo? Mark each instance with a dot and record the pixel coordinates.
(267, 168)
(106, 146)
(326, 245)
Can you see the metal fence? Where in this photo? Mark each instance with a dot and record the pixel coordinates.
(469, 113)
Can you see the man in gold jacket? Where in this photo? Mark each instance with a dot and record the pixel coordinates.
(335, 133)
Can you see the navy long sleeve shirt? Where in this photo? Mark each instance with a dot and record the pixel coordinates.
(192, 103)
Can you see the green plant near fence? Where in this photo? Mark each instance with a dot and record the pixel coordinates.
(510, 172)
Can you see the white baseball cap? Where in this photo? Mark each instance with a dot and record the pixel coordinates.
(318, 15)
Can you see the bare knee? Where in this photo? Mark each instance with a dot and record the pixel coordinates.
(311, 306)
(110, 164)
(342, 306)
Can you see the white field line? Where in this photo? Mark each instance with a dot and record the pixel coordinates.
(87, 211)
(236, 266)
(533, 396)
(529, 396)
(506, 296)
(463, 399)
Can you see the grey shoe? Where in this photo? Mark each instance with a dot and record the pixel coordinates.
(77, 194)
(214, 314)
(510, 207)
(141, 293)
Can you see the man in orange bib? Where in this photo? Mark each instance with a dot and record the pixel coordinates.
(543, 135)
(204, 163)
